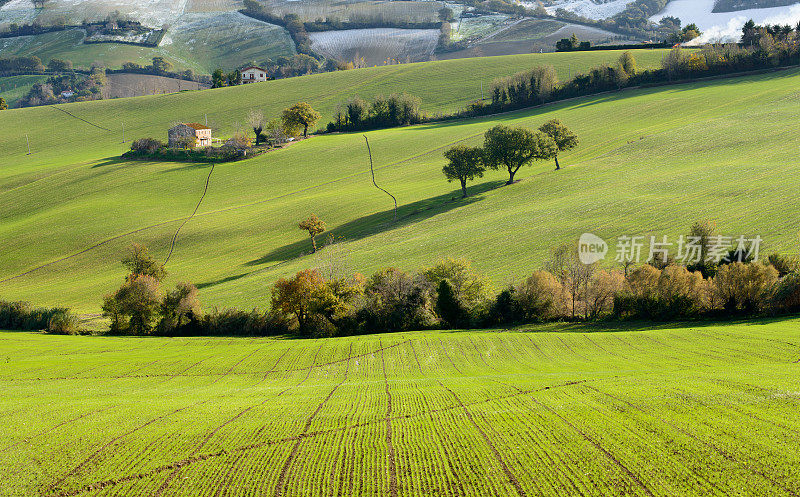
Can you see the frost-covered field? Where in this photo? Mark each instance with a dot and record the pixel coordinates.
(18, 11)
(410, 11)
(593, 9)
(226, 39)
(154, 13)
(377, 46)
(726, 26)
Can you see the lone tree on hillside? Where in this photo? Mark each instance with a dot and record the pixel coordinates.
(139, 262)
(465, 164)
(563, 137)
(314, 226)
(628, 63)
(300, 115)
(513, 148)
(255, 119)
(3, 104)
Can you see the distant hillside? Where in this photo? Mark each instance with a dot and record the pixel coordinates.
(650, 162)
(734, 5)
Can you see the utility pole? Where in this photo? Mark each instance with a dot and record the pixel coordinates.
(481, 90)
(123, 132)
(206, 119)
(28, 142)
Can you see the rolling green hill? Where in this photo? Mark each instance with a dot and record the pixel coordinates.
(651, 162)
(201, 42)
(14, 88)
(553, 410)
(444, 86)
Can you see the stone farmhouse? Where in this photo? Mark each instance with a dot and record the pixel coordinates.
(200, 133)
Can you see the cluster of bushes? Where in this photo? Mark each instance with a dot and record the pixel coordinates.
(66, 87)
(151, 148)
(397, 110)
(140, 306)
(330, 301)
(21, 316)
(161, 67)
(319, 303)
(14, 65)
(451, 295)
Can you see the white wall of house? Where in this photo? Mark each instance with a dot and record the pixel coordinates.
(253, 75)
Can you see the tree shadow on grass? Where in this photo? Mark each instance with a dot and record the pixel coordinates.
(383, 221)
(366, 226)
(109, 161)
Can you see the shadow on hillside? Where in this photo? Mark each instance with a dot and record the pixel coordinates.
(187, 166)
(109, 161)
(366, 226)
(383, 221)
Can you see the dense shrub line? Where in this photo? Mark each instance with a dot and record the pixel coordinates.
(153, 149)
(396, 110)
(329, 301)
(22, 316)
(540, 85)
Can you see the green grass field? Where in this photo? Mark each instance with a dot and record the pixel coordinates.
(14, 88)
(651, 162)
(69, 45)
(707, 410)
(199, 41)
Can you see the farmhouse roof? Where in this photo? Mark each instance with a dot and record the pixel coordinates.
(254, 67)
(197, 126)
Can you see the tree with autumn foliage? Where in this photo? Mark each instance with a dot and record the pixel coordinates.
(318, 305)
(314, 226)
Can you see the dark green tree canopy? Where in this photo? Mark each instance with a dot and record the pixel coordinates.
(512, 148)
(562, 136)
(464, 164)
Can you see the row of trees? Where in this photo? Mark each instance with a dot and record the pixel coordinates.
(508, 148)
(399, 109)
(541, 84)
(329, 300)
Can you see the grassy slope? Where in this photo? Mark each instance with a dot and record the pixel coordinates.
(652, 161)
(701, 410)
(13, 88)
(68, 45)
(203, 43)
(444, 86)
(228, 40)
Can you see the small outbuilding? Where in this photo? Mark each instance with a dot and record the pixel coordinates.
(179, 133)
(253, 74)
